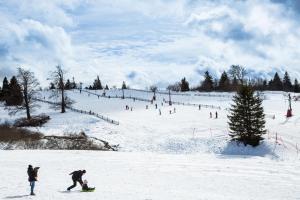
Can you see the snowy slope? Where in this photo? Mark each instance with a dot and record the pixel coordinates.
(185, 131)
(136, 176)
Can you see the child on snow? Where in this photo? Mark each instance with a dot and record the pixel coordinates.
(85, 187)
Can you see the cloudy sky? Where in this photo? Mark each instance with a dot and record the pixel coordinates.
(148, 42)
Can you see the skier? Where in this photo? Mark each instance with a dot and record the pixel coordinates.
(199, 107)
(86, 188)
(159, 112)
(216, 115)
(156, 106)
(210, 115)
(32, 177)
(174, 110)
(76, 177)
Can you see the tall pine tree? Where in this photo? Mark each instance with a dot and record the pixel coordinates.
(184, 85)
(207, 84)
(97, 84)
(287, 84)
(15, 97)
(247, 118)
(124, 87)
(276, 83)
(5, 90)
(224, 83)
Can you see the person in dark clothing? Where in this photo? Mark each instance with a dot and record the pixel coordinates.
(76, 177)
(32, 177)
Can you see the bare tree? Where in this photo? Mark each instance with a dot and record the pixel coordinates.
(29, 86)
(58, 78)
(238, 72)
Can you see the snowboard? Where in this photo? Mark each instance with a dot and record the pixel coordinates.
(89, 190)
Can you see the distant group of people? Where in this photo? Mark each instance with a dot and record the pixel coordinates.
(127, 108)
(216, 115)
(76, 177)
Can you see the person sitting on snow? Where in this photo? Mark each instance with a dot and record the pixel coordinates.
(85, 186)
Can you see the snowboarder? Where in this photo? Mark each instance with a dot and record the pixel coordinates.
(86, 188)
(76, 177)
(32, 177)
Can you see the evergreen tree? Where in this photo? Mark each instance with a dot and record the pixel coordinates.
(97, 84)
(287, 84)
(124, 85)
(224, 82)
(68, 85)
(15, 97)
(276, 83)
(184, 85)
(247, 118)
(207, 84)
(296, 86)
(52, 86)
(5, 90)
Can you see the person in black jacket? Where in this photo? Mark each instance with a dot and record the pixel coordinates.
(32, 177)
(76, 177)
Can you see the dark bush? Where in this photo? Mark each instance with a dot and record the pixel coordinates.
(13, 134)
(38, 120)
(19, 138)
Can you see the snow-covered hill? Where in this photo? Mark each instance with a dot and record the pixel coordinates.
(185, 154)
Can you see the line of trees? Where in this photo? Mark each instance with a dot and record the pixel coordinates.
(21, 93)
(235, 77)
(97, 85)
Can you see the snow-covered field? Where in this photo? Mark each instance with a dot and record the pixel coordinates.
(183, 155)
(123, 175)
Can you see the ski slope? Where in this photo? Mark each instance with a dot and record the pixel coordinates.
(185, 154)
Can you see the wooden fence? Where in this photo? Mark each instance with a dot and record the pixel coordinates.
(107, 119)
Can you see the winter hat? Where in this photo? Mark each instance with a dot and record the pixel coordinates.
(29, 166)
(83, 171)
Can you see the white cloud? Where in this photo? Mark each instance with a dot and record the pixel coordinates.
(156, 42)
